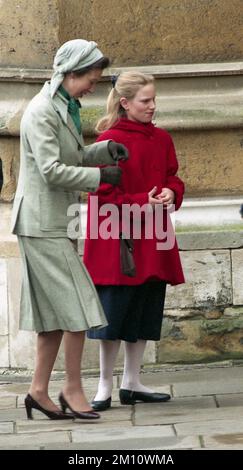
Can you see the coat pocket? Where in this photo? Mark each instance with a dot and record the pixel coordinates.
(53, 210)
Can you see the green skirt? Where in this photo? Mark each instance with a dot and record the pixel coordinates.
(57, 291)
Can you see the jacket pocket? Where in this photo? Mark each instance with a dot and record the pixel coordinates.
(53, 210)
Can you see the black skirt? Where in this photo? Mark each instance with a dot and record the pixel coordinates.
(132, 312)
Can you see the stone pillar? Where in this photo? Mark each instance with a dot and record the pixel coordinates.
(29, 33)
(29, 38)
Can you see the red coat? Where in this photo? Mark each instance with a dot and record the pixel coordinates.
(152, 163)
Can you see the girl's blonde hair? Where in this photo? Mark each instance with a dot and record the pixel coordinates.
(127, 86)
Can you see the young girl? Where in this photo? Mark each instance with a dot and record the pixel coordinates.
(133, 305)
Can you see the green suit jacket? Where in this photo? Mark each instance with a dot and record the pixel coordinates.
(51, 172)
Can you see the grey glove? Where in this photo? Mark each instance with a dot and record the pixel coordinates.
(118, 151)
(111, 175)
(113, 153)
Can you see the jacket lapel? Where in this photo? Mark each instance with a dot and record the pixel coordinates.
(71, 126)
(60, 105)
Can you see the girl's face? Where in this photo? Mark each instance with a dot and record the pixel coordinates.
(141, 108)
(78, 86)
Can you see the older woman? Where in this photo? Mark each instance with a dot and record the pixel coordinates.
(58, 297)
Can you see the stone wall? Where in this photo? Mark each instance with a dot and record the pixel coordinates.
(131, 33)
(211, 161)
(203, 319)
(201, 106)
(29, 33)
(145, 32)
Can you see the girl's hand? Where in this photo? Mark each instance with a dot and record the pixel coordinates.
(152, 199)
(166, 197)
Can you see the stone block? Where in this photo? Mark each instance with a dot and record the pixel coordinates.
(229, 399)
(237, 276)
(9, 154)
(234, 311)
(118, 436)
(4, 353)
(201, 340)
(8, 242)
(22, 350)
(231, 441)
(150, 353)
(211, 426)
(22, 343)
(167, 32)
(35, 27)
(208, 281)
(204, 160)
(4, 298)
(209, 240)
(15, 95)
(7, 402)
(32, 440)
(205, 385)
(6, 428)
(14, 291)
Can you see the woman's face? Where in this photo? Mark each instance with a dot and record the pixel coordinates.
(78, 86)
(141, 108)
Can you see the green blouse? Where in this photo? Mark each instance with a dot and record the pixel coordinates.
(73, 108)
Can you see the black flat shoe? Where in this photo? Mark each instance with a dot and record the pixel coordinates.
(77, 414)
(101, 405)
(128, 397)
(30, 404)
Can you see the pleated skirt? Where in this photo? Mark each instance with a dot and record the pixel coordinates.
(132, 312)
(57, 291)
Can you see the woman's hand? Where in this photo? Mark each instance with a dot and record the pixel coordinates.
(166, 197)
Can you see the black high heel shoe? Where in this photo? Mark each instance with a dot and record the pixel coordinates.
(129, 397)
(30, 403)
(101, 405)
(77, 414)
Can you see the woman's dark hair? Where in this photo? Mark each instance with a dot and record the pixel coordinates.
(100, 64)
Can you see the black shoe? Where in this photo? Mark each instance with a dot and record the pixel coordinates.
(77, 414)
(101, 405)
(31, 403)
(128, 397)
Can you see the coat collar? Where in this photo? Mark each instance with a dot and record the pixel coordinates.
(132, 126)
(60, 104)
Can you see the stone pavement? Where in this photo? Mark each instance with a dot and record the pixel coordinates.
(206, 412)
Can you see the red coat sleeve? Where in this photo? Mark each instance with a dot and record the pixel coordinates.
(173, 182)
(108, 193)
(111, 194)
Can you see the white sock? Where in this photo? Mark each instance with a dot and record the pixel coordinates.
(108, 353)
(133, 359)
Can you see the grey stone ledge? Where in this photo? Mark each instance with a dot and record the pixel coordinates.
(187, 241)
(171, 70)
(210, 240)
(195, 96)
